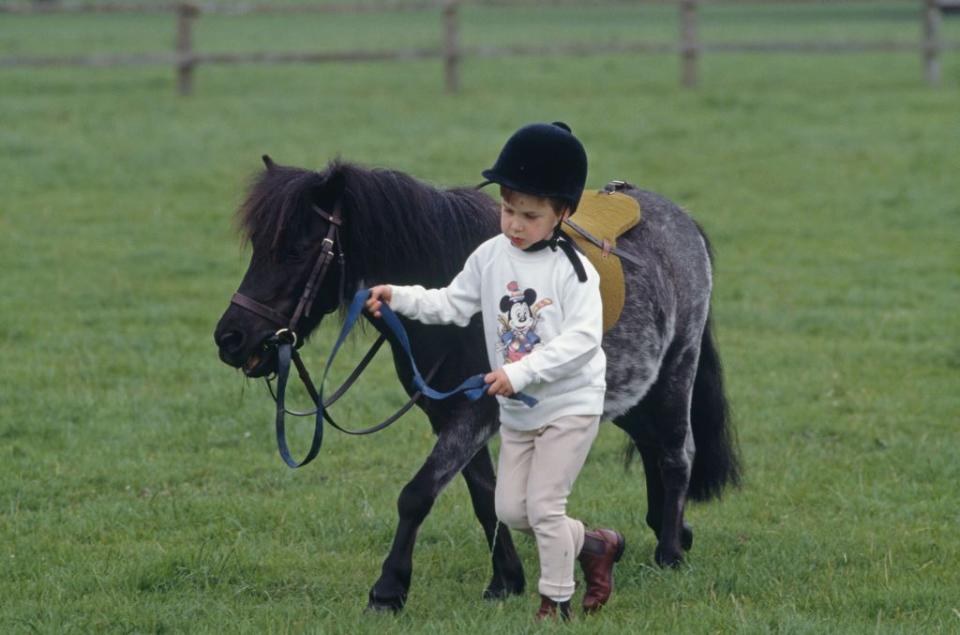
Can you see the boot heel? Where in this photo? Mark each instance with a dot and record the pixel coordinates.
(621, 547)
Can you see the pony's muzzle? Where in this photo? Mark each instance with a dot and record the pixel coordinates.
(231, 344)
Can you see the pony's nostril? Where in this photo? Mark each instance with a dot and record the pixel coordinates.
(230, 341)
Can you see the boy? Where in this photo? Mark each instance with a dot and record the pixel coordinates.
(542, 318)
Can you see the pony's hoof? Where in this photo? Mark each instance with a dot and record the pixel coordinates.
(686, 537)
(500, 590)
(379, 604)
(664, 557)
(384, 607)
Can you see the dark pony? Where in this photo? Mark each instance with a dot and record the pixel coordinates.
(664, 379)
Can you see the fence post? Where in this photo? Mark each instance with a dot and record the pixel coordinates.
(931, 41)
(186, 14)
(451, 46)
(689, 48)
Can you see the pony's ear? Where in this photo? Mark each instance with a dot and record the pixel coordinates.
(330, 190)
(267, 161)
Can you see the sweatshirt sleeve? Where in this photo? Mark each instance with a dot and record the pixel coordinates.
(580, 336)
(456, 303)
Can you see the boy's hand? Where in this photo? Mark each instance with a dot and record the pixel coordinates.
(378, 295)
(499, 383)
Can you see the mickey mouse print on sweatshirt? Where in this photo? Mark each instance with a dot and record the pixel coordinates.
(518, 322)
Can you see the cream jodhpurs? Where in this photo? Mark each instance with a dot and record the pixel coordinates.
(536, 472)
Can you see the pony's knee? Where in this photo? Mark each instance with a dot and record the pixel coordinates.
(414, 504)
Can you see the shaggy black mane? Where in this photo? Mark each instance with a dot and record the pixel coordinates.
(391, 220)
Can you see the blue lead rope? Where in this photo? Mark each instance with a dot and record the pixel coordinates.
(473, 388)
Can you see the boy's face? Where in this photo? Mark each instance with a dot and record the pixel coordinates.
(527, 219)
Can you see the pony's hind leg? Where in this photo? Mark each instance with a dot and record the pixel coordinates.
(655, 496)
(460, 437)
(508, 578)
(674, 437)
(659, 427)
(638, 423)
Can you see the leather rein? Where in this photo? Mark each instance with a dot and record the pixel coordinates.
(287, 341)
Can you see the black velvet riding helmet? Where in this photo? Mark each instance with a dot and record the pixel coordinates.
(542, 159)
(545, 160)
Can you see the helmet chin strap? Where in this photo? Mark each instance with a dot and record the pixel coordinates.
(547, 242)
(561, 240)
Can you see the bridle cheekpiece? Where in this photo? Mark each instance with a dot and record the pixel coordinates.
(328, 252)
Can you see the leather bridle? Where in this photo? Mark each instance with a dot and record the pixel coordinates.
(331, 242)
(287, 341)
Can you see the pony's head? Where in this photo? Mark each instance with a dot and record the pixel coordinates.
(285, 217)
(395, 229)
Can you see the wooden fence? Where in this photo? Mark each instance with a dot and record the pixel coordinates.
(185, 58)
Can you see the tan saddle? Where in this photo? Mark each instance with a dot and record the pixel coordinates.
(601, 218)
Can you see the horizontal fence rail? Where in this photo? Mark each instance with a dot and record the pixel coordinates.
(217, 8)
(688, 45)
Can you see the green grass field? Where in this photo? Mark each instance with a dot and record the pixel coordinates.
(140, 489)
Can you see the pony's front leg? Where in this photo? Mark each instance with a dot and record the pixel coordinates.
(457, 442)
(508, 578)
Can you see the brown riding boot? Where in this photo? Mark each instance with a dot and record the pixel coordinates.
(601, 549)
(550, 609)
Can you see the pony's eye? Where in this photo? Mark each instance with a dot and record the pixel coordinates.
(293, 256)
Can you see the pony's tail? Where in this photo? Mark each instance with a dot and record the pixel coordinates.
(715, 463)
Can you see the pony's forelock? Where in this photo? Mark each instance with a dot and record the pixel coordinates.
(276, 199)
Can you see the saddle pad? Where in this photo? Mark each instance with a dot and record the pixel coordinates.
(606, 215)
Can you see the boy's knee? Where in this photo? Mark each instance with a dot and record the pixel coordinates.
(513, 514)
(542, 516)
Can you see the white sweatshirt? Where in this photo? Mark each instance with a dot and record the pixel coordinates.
(541, 324)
